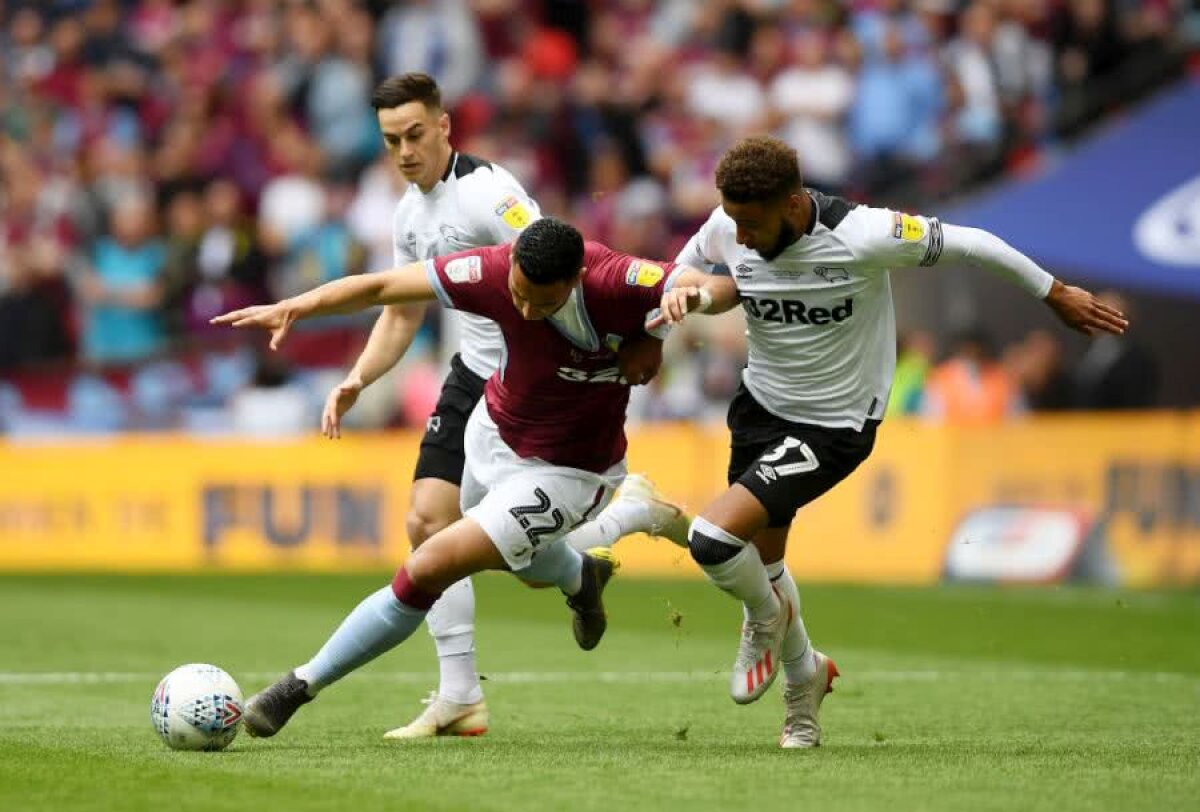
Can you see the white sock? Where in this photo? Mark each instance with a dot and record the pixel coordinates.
(451, 622)
(799, 663)
(556, 564)
(745, 578)
(603, 531)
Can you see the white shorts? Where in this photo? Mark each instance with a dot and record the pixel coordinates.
(524, 504)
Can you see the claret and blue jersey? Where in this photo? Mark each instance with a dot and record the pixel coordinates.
(564, 401)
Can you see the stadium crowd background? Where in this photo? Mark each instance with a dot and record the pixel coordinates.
(164, 161)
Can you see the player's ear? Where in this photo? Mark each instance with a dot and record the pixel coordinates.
(444, 123)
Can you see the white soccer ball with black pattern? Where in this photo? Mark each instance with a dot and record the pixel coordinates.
(197, 707)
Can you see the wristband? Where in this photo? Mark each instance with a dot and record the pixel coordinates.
(705, 301)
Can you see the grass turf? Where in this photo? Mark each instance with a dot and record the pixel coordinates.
(952, 699)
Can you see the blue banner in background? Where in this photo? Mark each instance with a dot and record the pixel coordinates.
(1122, 210)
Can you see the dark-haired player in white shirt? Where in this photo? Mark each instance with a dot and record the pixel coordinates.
(811, 272)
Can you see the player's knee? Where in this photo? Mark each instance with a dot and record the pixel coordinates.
(422, 523)
(412, 586)
(705, 546)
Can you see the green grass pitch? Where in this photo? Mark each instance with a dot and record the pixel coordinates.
(951, 699)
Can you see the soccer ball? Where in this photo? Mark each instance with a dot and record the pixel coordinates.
(196, 707)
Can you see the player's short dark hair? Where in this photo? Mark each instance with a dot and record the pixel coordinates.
(407, 87)
(549, 251)
(757, 169)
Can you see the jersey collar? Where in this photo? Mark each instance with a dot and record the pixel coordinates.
(450, 165)
(816, 213)
(572, 322)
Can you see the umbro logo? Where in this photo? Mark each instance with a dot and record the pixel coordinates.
(741, 270)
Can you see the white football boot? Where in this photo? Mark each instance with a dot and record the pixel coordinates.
(442, 717)
(666, 520)
(803, 703)
(757, 662)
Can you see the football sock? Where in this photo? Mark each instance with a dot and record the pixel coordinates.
(451, 622)
(739, 572)
(557, 563)
(799, 662)
(603, 531)
(622, 517)
(381, 622)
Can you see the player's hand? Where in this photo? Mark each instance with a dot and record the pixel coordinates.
(639, 359)
(340, 399)
(275, 318)
(1082, 311)
(676, 304)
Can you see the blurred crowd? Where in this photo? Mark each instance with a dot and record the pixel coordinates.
(973, 383)
(165, 160)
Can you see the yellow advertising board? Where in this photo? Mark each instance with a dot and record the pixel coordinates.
(156, 503)
(176, 503)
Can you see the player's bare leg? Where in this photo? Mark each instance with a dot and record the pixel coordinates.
(379, 623)
(457, 706)
(388, 617)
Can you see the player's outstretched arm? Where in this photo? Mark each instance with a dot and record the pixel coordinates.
(695, 291)
(390, 339)
(1076, 307)
(348, 295)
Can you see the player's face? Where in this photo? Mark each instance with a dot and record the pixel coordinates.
(764, 227)
(536, 302)
(418, 141)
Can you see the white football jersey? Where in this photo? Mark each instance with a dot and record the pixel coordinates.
(476, 204)
(822, 332)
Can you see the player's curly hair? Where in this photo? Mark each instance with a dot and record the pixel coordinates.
(758, 169)
(407, 87)
(549, 251)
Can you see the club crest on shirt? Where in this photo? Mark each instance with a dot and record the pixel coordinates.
(513, 212)
(643, 274)
(450, 237)
(832, 274)
(908, 228)
(464, 270)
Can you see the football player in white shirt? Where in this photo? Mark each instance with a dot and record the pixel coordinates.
(454, 202)
(811, 272)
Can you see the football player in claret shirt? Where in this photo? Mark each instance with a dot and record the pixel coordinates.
(811, 273)
(457, 201)
(544, 448)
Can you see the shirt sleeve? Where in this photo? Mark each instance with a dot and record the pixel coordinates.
(642, 286)
(474, 281)
(504, 209)
(974, 246)
(699, 251)
(886, 239)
